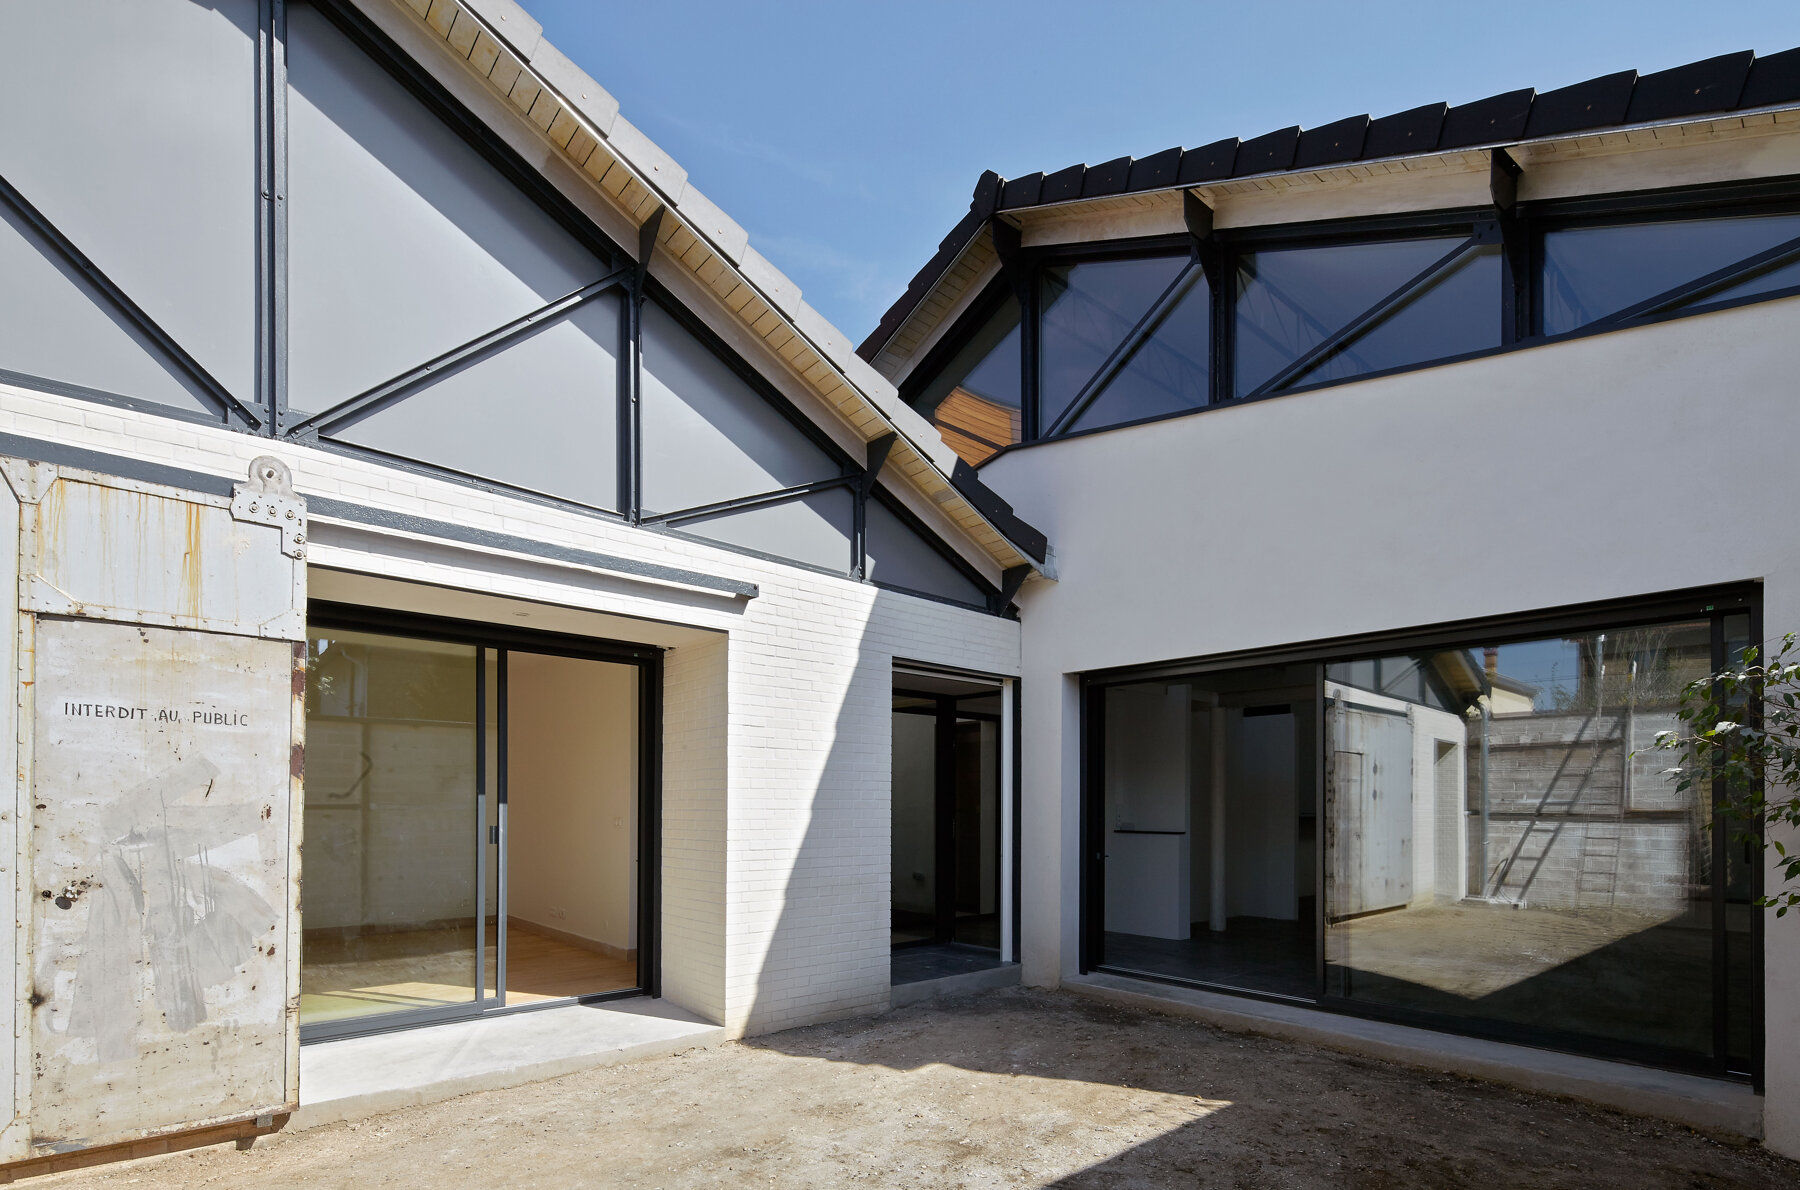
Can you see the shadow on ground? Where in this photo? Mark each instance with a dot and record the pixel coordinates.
(1271, 1113)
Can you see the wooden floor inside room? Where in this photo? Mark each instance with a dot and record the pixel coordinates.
(361, 975)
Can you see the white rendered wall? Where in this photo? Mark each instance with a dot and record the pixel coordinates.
(1621, 464)
(777, 727)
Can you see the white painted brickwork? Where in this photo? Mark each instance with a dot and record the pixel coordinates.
(775, 890)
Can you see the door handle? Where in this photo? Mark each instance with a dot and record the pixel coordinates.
(494, 834)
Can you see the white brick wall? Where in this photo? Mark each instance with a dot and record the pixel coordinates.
(776, 846)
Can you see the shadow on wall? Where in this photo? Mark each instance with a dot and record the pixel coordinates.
(825, 953)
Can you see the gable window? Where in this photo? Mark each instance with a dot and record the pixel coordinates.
(975, 399)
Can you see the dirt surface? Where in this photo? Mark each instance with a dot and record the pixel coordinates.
(1015, 1088)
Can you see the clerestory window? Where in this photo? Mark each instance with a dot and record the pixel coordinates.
(1075, 338)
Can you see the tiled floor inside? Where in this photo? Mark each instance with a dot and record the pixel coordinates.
(373, 973)
(914, 964)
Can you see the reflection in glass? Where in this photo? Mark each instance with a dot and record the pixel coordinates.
(1291, 300)
(1502, 844)
(1740, 845)
(1457, 311)
(1122, 340)
(974, 400)
(1591, 272)
(391, 907)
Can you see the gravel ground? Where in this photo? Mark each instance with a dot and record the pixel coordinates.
(1014, 1088)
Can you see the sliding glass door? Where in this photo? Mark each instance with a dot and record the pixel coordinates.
(479, 821)
(1466, 828)
(394, 794)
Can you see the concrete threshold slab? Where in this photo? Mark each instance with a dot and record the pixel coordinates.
(363, 1076)
(955, 985)
(1710, 1105)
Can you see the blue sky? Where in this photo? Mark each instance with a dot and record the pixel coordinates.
(847, 137)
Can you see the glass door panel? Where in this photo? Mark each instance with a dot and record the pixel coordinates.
(1504, 846)
(392, 903)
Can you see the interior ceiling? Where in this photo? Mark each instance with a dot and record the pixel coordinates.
(930, 683)
(341, 586)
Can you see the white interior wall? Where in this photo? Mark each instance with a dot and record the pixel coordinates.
(1148, 785)
(1261, 816)
(572, 797)
(1439, 825)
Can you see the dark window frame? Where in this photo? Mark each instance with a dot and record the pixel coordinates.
(1713, 603)
(1529, 220)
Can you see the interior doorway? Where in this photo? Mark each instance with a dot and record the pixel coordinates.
(479, 809)
(951, 896)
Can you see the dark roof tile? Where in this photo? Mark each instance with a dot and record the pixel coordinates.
(965, 229)
(1021, 192)
(1062, 185)
(1208, 163)
(1496, 118)
(1412, 131)
(1107, 178)
(1155, 171)
(1596, 103)
(1709, 86)
(1268, 153)
(1774, 79)
(986, 199)
(1331, 143)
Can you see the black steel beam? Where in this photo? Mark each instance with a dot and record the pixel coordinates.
(878, 452)
(1515, 292)
(121, 302)
(389, 391)
(1010, 581)
(1768, 258)
(271, 212)
(759, 500)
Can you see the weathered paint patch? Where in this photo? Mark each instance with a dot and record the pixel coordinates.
(160, 879)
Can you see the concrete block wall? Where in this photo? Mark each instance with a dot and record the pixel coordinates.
(1544, 769)
(1647, 868)
(776, 847)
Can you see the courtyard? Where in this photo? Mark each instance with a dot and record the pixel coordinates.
(1016, 1088)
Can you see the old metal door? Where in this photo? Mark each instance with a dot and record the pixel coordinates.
(160, 636)
(1369, 808)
